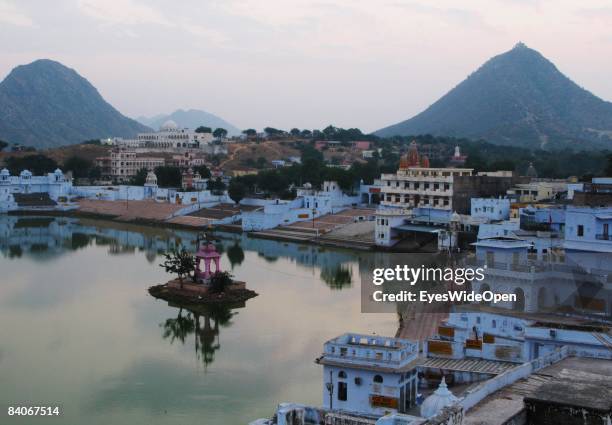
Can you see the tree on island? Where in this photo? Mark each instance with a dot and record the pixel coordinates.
(203, 129)
(220, 133)
(3, 145)
(220, 281)
(179, 262)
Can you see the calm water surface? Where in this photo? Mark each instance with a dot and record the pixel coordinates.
(78, 328)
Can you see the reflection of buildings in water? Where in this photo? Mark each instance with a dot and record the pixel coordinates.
(204, 322)
(20, 235)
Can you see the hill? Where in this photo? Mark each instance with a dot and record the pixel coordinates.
(518, 98)
(45, 104)
(191, 118)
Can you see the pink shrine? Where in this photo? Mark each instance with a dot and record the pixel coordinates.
(208, 254)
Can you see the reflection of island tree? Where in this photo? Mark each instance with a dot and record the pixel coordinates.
(204, 323)
(178, 328)
(235, 254)
(337, 278)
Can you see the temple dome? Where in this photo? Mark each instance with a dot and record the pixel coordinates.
(531, 171)
(440, 399)
(169, 125)
(151, 179)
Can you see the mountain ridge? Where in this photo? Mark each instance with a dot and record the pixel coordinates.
(46, 104)
(518, 98)
(190, 118)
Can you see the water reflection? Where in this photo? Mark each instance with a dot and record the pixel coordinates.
(204, 322)
(110, 353)
(338, 277)
(43, 238)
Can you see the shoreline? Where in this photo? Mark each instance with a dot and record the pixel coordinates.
(229, 228)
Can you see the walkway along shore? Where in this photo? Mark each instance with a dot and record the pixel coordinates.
(160, 215)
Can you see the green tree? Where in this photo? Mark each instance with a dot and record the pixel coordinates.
(95, 173)
(179, 262)
(306, 134)
(140, 178)
(250, 132)
(3, 145)
(608, 170)
(203, 129)
(220, 133)
(220, 281)
(216, 186)
(80, 167)
(203, 170)
(38, 164)
(236, 191)
(295, 132)
(261, 162)
(271, 131)
(168, 176)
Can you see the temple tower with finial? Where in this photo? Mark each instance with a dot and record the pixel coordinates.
(150, 186)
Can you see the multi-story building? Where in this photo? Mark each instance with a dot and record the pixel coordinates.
(491, 209)
(588, 229)
(537, 190)
(122, 164)
(169, 137)
(449, 189)
(421, 187)
(369, 374)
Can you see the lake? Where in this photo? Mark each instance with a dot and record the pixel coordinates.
(79, 329)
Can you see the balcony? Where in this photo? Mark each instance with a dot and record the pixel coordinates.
(603, 237)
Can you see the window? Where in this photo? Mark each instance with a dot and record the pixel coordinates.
(580, 230)
(342, 374)
(342, 391)
(378, 379)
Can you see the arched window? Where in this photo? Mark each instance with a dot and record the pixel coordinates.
(342, 374)
(378, 379)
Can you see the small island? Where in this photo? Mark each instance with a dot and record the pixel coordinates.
(196, 282)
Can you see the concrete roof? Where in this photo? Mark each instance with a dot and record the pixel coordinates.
(574, 381)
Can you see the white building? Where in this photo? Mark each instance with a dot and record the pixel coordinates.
(588, 229)
(308, 204)
(50, 190)
(123, 164)
(169, 138)
(491, 209)
(421, 187)
(369, 374)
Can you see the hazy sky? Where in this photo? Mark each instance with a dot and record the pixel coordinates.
(295, 63)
